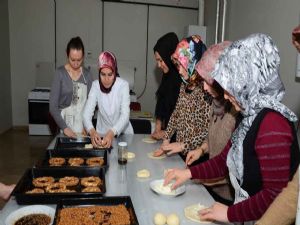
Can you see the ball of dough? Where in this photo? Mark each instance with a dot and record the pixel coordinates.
(173, 219)
(130, 155)
(160, 219)
(143, 173)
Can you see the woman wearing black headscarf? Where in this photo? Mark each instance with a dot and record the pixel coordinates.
(168, 91)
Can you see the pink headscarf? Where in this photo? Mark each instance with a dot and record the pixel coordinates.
(107, 60)
(209, 59)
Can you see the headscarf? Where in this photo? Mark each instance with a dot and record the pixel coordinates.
(188, 52)
(168, 90)
(249, 70)
(107, 60)
(205, 67)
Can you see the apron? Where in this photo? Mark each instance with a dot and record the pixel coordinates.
(72, 115)
(239, 195)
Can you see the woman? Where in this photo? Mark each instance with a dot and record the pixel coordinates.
(258, 156)
(191, 115)
(169, 87)
(69, 90)
(222, 121)
(111, 94)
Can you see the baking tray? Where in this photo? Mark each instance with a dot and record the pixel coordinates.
(66, 143)
(66, 154)
(25, 184)
(107, 201)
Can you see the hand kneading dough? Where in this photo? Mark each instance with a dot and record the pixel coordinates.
(143, 173)
(160, 219)
(173, 219)
(130, 155)
(151, 156)
(191, 212)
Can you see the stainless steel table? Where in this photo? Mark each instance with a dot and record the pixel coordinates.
(122, 180)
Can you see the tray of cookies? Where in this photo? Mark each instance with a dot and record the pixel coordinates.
(49, 185)
(80, 143)
(74, 159)
(104, 210)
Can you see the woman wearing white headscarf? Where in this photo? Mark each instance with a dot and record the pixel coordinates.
(263, 153)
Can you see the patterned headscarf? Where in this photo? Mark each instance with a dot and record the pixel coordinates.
(188, 53)
(205, 67)
(249, 70)
(107, 60)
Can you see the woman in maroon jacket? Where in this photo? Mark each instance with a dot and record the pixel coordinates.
(263, 153)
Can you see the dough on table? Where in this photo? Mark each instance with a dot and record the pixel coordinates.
(159, 219)
(166, 190)
(191, 212)
(143, 173)
(130, 155)
(88, 146)
(173, 219)
(149, 140)
(151, 156)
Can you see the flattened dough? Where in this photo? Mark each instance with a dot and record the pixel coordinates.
(165, 190)
(130, 155)
(88, 146)
(191, 212)
(149, 140)
(151, 156)
(143, 173)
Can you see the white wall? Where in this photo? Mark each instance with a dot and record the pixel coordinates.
(31, 29)
(275, 18)
(5, 84)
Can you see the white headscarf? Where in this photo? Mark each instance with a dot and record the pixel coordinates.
(249, 70)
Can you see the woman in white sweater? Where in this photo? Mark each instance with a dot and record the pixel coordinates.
(111, 94)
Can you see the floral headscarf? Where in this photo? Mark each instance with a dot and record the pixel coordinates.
(188, 53)
(107, 60)
(249, 70)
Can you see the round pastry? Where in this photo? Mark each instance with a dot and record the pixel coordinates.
(95, 161)
(75, 161)
(69, 181)
(173, 219)
(56, 188)
(159, 219)
(35, 191)
(57, 161)
(143, 173)
(91, 189)
(90, 181)
(42, 181)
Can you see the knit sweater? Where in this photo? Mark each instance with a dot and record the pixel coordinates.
(272, 147)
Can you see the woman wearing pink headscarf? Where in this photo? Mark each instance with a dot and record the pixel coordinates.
(111, 94)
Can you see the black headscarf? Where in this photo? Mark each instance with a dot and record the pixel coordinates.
(168, 90)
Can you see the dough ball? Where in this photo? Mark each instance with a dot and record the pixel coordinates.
(130, 155)
(173, 219)
(160, 219)
(143, 173)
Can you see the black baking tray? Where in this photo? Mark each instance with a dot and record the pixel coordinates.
(66, 143)
(107, 201)
(25, 184)
(44, 162)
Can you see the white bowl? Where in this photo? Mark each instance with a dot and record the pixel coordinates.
(157, 187)
(27, 210)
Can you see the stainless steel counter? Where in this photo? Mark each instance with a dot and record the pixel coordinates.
(122, 180)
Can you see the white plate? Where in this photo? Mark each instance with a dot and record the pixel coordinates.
(27, 210)
(157, 187)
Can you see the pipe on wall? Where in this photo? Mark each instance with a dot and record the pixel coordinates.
(224, 11)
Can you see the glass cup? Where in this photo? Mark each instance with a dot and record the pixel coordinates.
(122, 153)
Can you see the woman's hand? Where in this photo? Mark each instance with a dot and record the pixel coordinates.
(173, 147)
(217, 212)
(108, 138)
(95, 138)
(192, 156)
(69, 133)
(158, 152)
(158, 134)
(179, 175)
(5, 191)
(296, 38)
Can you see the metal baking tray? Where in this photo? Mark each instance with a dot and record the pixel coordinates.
(25, 184)
(107, 201)
(66, 154)
(66, 143)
